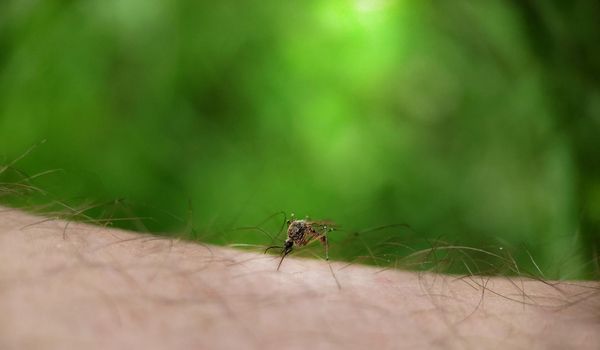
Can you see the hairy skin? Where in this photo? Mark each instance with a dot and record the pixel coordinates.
(100, 288)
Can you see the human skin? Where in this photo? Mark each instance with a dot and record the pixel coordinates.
(91, 287)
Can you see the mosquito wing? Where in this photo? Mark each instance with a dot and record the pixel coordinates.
(322, 226)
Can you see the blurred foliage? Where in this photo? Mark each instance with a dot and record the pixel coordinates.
(473, 122)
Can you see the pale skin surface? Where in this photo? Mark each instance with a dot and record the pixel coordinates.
(100, 288)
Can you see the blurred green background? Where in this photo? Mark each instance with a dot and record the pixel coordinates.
(475, 122)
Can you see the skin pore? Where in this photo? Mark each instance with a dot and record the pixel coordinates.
(102, 288)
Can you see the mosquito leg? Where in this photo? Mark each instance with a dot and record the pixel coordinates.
(334, 276)
(326, 244)
(271, 247)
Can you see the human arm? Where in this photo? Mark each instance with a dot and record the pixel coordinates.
(94, 287)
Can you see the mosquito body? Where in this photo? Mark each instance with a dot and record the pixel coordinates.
(303, 232)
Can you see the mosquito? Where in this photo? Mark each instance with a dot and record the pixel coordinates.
(303, 232)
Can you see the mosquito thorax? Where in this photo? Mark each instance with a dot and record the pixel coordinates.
(297, 230)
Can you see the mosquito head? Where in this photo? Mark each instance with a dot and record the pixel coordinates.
(287, 247)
